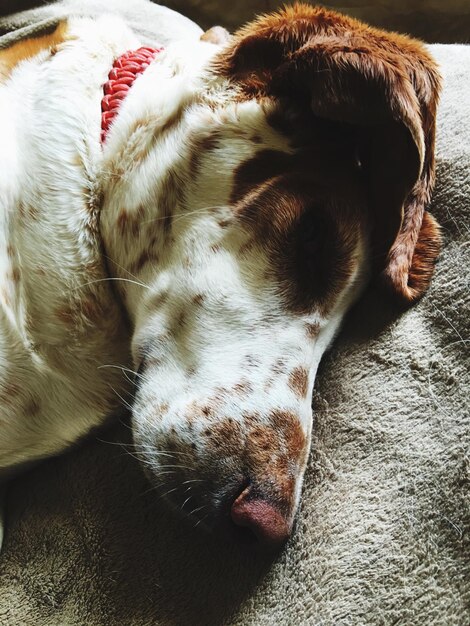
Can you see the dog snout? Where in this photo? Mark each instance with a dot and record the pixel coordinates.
(268, 526)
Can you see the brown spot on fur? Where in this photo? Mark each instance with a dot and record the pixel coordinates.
(279, 367)
(28, 48)
(181, 319)
(243, 387)
(198, 299)
(312, 235)
(159, 299)
(251, 361)
(162, 408)
(122, 221)
(251, 419)
(146, 256)
(226, 436)
(312, 330)
(288, 424)
(195, 411)
(201, 144)
(268, 384)
(298, 381)
(15, 275)
(261, 446)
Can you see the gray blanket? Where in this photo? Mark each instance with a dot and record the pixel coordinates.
(382, 534)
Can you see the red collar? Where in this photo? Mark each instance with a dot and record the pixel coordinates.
(125, 70)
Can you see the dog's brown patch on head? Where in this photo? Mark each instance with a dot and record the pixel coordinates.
(21, 51)
(288, 424)
(261, 445)
(322, 65)
(298, 381)
(306, 211)
(225, 436)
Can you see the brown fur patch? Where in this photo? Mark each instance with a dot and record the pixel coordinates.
(289, 425)
(146, 256)
(27, 49)
(198, 299)
(298, 381)
(201, 144)
(312, 330)
(386, 85)
(226, 436)
(306, 210)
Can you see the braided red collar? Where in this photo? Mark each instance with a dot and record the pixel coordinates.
(125, 70)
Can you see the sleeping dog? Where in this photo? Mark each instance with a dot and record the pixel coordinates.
(199, 218)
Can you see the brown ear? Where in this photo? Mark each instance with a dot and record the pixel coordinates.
(384, 84)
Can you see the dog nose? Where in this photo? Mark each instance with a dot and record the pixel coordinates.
(268, 525)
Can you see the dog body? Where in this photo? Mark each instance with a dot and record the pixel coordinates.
(214, 241)
(59, 323)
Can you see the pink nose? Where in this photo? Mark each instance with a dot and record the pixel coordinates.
(267, 524)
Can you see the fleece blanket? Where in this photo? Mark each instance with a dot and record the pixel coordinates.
(383, 531)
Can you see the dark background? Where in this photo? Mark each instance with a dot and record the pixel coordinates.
(435, 21)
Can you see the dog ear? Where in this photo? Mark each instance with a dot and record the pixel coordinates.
(384, 85)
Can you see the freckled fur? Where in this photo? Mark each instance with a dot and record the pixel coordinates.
(198, 208)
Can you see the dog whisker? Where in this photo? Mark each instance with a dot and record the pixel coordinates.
(113, 278)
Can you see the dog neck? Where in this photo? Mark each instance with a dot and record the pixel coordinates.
(149, 150)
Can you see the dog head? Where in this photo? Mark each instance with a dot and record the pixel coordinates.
(251, 191)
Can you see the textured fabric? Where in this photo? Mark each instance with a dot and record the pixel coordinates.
(382, 534)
